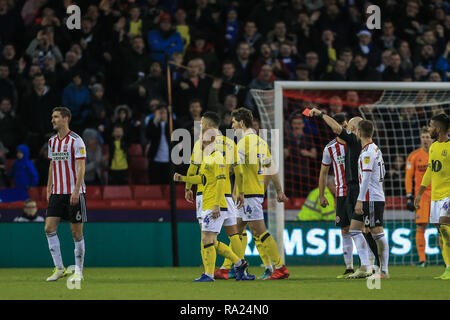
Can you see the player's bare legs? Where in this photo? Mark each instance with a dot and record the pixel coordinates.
(77, 234)
(383, 250)
(51, 226)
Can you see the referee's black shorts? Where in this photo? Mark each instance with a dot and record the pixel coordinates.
(352, 197)
(59, 206)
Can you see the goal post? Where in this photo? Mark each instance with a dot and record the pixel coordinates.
(388, 104)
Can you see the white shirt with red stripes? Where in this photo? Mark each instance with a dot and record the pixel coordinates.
(334, 153)
(371, 173)
(64, 153)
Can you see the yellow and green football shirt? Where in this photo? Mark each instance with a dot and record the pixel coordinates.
(228, 148)
(254, 156)
(438, 171)
(196, 162)
(212, 170)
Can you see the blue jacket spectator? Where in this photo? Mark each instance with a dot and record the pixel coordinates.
(165, 40)
(232, 27)
(76, 97)
(443, 63)
(24, 172)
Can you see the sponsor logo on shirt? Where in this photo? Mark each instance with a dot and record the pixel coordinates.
(60, 156)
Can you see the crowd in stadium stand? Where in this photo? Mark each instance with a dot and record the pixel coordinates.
(111, 73)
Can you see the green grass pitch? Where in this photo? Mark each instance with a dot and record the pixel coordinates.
(314, 282)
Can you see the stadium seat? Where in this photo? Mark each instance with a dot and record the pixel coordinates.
(43, 191)
(147, 192)
(93, 193)
(117, 193)
(138, 172)
(18, 205)
(395, 203)
(42, 205)
(296, 203)
(9, 164)
(156, 204)
(182, 204)
(180, 191)
(35, 193)
(98, 205)
(105, 149)
(124, 205)
(135, 150)
(138, 164)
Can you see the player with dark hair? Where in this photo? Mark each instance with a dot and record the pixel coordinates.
(65, 191)
(334, 155)
(218, 208)
(416, 165)
(438, 174)
(257, 165)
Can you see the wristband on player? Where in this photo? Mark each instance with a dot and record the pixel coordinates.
(321, 115)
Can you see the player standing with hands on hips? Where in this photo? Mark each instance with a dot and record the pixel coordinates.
(65, 191)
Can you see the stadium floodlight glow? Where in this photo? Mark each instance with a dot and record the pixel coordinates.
(389, 105)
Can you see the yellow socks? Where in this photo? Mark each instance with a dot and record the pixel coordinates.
(270, 247)
(209, 259)
(235, 244)
(225, 251)
(262, 252)
(238, 246)
(201, 249)
(445, 233)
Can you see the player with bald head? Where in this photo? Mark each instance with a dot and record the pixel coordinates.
(353, 149)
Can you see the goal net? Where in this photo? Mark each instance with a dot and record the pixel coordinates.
(398, 110)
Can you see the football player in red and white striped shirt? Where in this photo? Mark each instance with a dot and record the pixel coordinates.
(334, 155)
(65, 191)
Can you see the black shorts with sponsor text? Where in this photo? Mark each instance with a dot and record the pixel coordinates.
(59, 206)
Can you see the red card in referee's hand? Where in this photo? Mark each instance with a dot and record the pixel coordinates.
(306, 112)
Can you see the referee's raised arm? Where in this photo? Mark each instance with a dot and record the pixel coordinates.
(333, 124)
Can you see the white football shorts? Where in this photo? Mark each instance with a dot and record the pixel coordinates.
(232, 212)
(211, 224)
(253, 209)
(440, 208)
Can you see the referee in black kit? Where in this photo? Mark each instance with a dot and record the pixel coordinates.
(353, 150)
